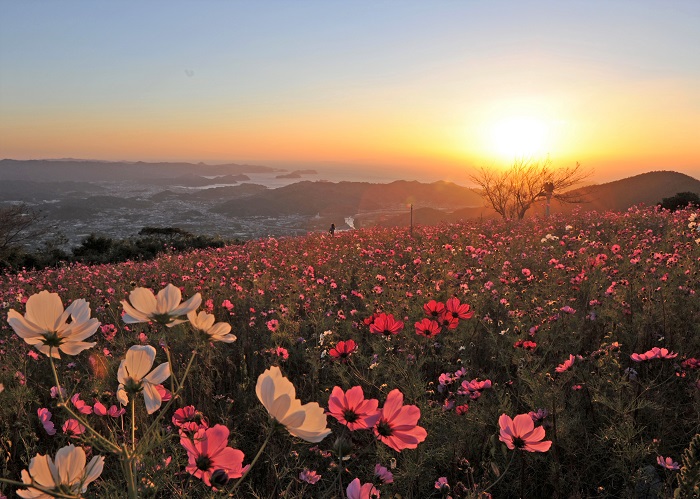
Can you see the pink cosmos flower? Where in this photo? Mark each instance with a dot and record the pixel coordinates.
(190, 419)
(115, 412)
(398, 424)
(80, 405)
(654, 353)
(273, 325)
(309, 476)
(99, 409)
(386, 324)
(427, 328)
(352, 409)
(73, 428)
(343, 350)
(667, 463)
(458, 310)
(520, 433)
(566, 365)
(45, 418)
(356, 490)
(434, 308)
(208, 453)
(383, 475)
(442, 485)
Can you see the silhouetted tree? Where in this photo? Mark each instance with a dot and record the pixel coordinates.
(513, 191)
(680, 201)
(18, 225)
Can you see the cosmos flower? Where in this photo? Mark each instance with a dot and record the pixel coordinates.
(397, 426)
(278, 395)
(163, 308)
(458, 310)
(68, 474)
(204, 322)
(135, 376)
(427, 328)
(343, 350)
(357, 490)
(667, 463)
(46, 325)
(566, 365)
(385, 324)
(208, 453)
(45, 418)
(520, 433)
(352, 409)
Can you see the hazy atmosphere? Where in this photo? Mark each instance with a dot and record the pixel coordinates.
(423, 90)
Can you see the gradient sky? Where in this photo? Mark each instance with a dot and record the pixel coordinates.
(439, 86)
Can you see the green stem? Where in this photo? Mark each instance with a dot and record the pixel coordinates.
(127, 462)
(255, 459)
(133, 424)
(502, 474)
(111, 446)
(174, 396)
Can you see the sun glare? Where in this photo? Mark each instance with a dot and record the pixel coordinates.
(519, 136)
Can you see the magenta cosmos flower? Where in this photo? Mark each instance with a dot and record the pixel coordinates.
(398, 424)
(343, 350)
(386, 324)
(352, 409)
(520, 433)
(208, 453)
(357, 490)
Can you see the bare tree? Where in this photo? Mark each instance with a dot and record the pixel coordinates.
(513, 191)
(18, 224)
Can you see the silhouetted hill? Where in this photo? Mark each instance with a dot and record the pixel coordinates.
(349, 198)
(91, 171)
(646, 188)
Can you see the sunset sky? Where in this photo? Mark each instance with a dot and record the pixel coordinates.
(438, 86)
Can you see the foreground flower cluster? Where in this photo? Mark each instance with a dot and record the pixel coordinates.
(373, 363)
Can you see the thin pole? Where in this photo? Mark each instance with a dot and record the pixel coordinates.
(411, 218)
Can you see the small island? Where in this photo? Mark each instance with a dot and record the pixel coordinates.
(297, 174)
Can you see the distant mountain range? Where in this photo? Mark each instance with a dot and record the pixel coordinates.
(119, 198)
(95, 171)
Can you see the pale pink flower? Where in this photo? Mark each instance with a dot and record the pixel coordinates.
(278, 395)
(46, 325)
(163, 308)
(135, 376)
(204, 322)
(67, 475)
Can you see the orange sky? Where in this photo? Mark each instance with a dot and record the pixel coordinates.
(445, 87)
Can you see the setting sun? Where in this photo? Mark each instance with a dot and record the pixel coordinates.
(519, 136)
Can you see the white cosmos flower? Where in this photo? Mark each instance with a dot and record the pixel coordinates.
(135, 376)
(278, 395)
(164, 308)
(46, 325)
(205, 322)
(68, 474)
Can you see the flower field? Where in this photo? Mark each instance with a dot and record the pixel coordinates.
(546, 358)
